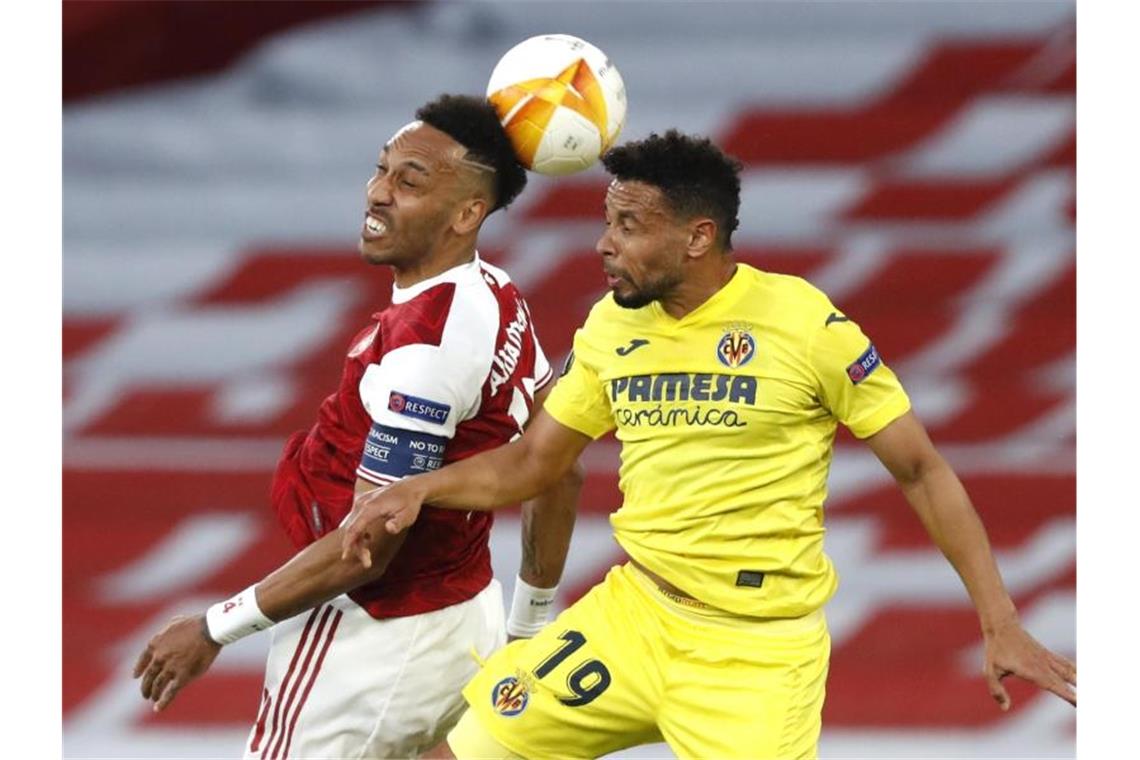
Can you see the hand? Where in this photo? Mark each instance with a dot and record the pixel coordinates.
(1010, 650)
(179, 653)
(392, 509)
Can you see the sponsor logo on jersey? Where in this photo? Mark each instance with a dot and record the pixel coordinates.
(419, 408)
(736, 348)
(864, 365)
(835, 317)
(365, 341)
(681, 386)
(634, 344)
(509, 697)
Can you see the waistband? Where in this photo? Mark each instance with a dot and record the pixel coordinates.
(684, 605)
(667, 588)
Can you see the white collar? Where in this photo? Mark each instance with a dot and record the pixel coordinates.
(455, 274)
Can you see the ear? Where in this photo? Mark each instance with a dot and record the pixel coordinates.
(470, 215)
(702, 237)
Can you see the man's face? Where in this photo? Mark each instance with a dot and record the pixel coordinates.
(412, 197)
(643, 246)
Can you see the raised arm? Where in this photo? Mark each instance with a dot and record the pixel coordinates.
(187, 646)
(942, 505)
(496, 478)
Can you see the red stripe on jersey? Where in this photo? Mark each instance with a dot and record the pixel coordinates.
(312, 680)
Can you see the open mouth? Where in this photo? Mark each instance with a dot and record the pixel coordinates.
(373, 228)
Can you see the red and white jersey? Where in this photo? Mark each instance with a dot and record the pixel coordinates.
(448, 370)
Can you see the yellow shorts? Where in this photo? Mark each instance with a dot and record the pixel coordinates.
(628, 664)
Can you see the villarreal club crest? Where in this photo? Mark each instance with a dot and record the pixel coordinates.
(510, 696)
(736, 347)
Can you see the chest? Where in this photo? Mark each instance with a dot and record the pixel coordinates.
(726, 377)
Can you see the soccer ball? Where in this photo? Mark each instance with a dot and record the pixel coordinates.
(561, 101)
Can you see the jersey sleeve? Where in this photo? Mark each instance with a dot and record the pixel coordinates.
(543, 373)
(578, 399)
(855, 385)
(416, 396)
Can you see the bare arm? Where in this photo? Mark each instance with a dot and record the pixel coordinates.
(547, 523)
(184, 650)
(317, 574)
(505, 475)
(941, 503)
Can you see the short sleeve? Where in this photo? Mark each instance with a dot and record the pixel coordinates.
(578, 399)
(543, 373)
(421, 388)
(856, 386)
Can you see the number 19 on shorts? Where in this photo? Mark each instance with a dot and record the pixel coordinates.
(587, 681)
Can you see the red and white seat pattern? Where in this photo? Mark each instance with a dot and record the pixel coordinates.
(936, 207)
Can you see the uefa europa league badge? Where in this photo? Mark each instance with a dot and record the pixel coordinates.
(737, 346)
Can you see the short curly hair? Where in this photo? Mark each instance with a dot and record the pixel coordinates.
(695, 176)
(472, 122)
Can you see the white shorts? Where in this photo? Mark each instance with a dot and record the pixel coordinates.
(341, 684)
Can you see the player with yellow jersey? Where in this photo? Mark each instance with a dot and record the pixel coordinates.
(725, 386)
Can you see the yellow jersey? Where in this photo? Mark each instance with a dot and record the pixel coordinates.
(726, 419)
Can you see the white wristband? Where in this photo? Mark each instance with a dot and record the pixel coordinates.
(530, 609)
(236, 618)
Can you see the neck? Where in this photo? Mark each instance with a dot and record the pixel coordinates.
(435, 263)
(699, 287)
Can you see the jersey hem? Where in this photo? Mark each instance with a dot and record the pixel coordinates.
(562, 416)
(894, 407)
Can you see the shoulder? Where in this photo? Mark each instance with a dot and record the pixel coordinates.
(786, 288)
(493, 275)
(801, 306)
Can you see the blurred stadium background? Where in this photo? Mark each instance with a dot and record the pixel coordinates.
(915, 160)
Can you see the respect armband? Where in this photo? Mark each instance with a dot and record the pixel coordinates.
(236, 618)
(530, 609)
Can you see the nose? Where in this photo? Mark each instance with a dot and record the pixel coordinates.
(604, 245)
(378, 191)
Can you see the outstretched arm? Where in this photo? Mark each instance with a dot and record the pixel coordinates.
(942, 505)
(504, 475)
(187, 646)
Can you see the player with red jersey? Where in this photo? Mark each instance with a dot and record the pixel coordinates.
(369, 662)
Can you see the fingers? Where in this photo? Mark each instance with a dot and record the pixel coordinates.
(147, 685)
(1064, 667)
(160, 681)
(1059, 685)
(142, 662)
(355, 544)
(997, 690)
(168, 694)
(401, 520)
(1065, 692)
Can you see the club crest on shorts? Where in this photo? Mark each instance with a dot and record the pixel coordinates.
(736, 347)
(509, 697)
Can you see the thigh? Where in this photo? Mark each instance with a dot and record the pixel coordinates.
(748, 695)
(585, 686)
(440, 656)
(340, 683)
(298, 660)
